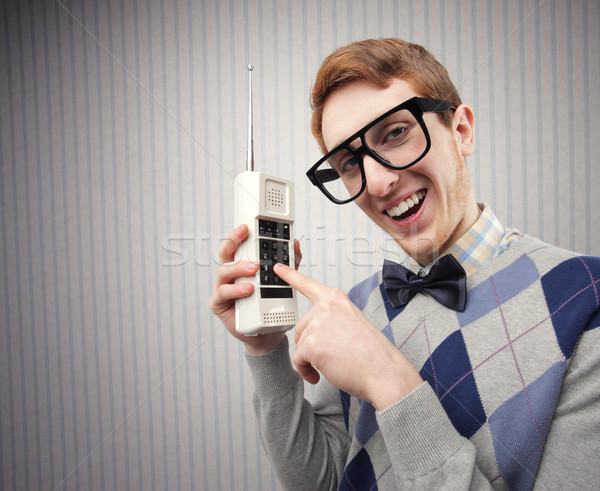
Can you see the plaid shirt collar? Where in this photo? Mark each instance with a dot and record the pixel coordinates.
(485, 240)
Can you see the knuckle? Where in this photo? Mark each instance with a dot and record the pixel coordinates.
(338, 295)
(323, 307)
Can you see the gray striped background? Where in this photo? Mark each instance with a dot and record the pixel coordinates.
(122, 125)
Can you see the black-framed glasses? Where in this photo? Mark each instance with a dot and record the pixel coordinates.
(397, 139)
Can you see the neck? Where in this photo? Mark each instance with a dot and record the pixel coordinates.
(472, 213)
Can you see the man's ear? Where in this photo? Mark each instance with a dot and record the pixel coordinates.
(463, 125)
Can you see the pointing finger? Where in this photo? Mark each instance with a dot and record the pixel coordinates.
(311, 289)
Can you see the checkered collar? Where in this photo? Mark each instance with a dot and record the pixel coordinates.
(486, 239)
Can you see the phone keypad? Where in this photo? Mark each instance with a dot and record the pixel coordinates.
(274, 248)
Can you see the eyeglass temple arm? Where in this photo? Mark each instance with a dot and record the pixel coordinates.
(325, 175)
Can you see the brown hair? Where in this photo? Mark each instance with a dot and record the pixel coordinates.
(379, 61)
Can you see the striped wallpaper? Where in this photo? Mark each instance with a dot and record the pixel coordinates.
(122, 125)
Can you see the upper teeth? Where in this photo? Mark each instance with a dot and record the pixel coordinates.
(407, 204)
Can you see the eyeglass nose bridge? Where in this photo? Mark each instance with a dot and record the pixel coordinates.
(363, 149)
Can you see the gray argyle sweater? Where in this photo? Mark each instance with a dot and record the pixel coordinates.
(511, 397)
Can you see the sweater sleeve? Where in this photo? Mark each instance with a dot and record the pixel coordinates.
(425, 449)
(307, 445)
(570, 456)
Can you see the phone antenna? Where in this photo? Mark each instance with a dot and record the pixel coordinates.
(250, 156)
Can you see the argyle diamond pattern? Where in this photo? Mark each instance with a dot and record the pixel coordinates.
(579, 293)
(449, 372)
(522, 422)
(359, 473)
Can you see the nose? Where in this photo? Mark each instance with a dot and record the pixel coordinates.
(380, 180)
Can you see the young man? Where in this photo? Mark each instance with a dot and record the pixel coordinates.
(477, 369)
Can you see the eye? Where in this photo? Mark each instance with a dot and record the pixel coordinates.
(348, 164)
(395, 134)
(344, 162)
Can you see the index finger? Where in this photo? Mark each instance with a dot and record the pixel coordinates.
(311, 289)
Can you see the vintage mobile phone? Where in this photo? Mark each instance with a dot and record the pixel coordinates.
(266, 204)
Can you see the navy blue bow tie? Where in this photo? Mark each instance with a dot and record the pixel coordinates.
(446, 282)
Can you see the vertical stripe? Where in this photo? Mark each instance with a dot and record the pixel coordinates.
(9, 341)
(261, 80)
(47, 322)
(459, 75)
(541, 154)
(379, 17)
(21, 294)
(11, 463)
(145, 303)
(555, 127)
(5, 304)
(216, 384)
(524, 128)
(349, 19)
(492, 150)
(130, 293)
(443, 21)
(235, 69)
(192, 149)
(67, 286)
(411, 10)
(89, 200)
(184, 326)
(571, 129)
(41, 281)
(78, 252)
(427, 34)
(586, 105)
(208, 215)
(120, 290)
(507, 88)
(168, 228)
(199, 336)
(117, 279)
(155, 261)
(476, 98)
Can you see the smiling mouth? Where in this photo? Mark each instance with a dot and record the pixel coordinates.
(407, 208)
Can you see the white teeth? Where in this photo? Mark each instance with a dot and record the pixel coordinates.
(405, 205)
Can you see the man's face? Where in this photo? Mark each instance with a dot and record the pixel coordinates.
(440, 182)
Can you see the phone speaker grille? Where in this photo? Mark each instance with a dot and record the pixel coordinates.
(279, 318)
(276, 196)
